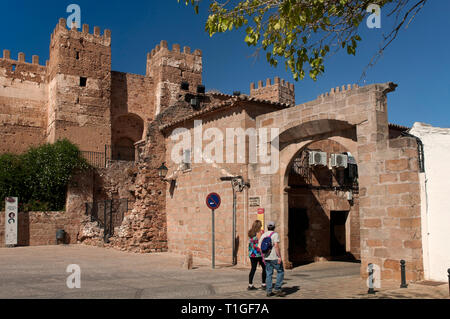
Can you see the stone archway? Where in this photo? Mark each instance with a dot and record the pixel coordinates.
(321, 222)
(293, 138)
(126, 129)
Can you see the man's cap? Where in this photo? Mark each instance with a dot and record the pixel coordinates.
(271, 224)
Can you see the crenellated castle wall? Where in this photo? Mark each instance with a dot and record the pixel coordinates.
(23, 101)
(77, 96)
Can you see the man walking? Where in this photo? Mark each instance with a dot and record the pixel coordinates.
(270, 246)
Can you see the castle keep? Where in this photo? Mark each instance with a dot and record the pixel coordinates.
(368, 210)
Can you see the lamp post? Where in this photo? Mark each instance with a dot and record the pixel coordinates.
(162, 171)
(238, 185)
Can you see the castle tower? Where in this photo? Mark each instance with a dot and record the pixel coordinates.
(169, 68)
(280, 91)
(79, 84)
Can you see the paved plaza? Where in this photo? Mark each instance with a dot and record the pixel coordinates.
(40, 272)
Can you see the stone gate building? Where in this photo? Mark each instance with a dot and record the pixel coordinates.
(368, 211)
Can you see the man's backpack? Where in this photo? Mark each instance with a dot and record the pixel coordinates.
(266, 245)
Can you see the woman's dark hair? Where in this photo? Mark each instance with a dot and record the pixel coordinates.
(256, 227)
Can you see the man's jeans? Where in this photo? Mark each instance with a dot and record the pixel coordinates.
(270, 265)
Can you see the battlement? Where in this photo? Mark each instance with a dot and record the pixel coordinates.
(280, 91)
(338, 89)
(277, 81)
(96, 36)
(162, 57)
(163, 47)
(20, 58)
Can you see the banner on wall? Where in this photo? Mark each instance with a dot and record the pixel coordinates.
(11, 220)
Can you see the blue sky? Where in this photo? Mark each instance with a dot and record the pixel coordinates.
(418, 61)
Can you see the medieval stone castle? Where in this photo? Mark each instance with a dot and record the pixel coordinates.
(374, 217)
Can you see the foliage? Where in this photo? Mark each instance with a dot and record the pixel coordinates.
(40, 176)
(302, 32)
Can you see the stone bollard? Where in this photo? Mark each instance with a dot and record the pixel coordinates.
(371, 291)
(448, 271)
(188, 261)
(403, 273)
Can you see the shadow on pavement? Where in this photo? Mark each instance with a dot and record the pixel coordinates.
(290, 290)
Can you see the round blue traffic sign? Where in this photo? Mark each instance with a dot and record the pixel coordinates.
(213, 201)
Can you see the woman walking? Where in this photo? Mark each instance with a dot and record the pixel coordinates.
(254, 252)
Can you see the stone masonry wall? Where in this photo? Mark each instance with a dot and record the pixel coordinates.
(169, 68)
(23, 99)
(79, 76)
(280, 91)
(388, 174)
(39, 228)
(131, 94)
(189, 225)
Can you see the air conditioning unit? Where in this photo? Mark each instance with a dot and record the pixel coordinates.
(339, 160)
(317, 158)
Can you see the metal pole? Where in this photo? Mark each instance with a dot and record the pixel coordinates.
(110, 219)
(104, 221)
(448, 270)
(371, 291)
(234, 228)
(213, 241)
(402, 268)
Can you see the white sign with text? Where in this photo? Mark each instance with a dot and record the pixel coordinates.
(11, 221)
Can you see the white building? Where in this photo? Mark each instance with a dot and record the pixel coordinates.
(435, 184)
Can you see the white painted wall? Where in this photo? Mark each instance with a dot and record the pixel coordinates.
(435, 200)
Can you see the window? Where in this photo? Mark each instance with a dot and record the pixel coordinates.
(83, 82)
(78, 55)
(186, 160)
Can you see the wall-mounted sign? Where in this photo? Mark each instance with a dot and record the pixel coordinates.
(11, 221)
(254, 201)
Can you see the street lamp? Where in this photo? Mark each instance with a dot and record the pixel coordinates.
(238, 185)
(162, 171)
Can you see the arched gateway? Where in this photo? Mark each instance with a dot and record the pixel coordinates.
(321, 213)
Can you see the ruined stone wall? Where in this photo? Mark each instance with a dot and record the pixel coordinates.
(79, 75)
(23, 99)
(116, 182)
(280, 91)
(144, 229)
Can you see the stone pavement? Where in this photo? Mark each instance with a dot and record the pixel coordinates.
(40, 272)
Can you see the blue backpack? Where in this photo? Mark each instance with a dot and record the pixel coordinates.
(266, 245)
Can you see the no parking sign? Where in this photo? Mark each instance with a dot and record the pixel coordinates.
(213, 202)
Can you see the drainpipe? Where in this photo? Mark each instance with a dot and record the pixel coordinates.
(419, 151)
